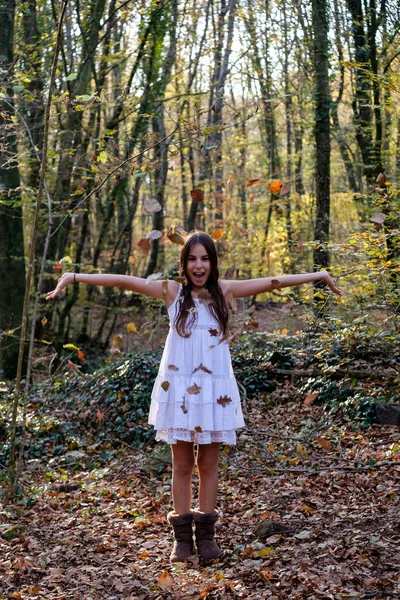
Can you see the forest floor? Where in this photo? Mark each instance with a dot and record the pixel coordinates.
(309, 509)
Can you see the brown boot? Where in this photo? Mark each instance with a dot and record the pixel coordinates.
(183, 536)
(204, 523)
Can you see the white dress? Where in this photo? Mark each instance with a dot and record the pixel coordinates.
(195, 397)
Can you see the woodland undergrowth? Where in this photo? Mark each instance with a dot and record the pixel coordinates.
(309, 497)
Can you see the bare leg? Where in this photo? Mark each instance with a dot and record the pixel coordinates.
(182, 470)
(207, 462)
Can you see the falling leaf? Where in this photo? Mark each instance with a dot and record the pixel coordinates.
(131, 327)
(72, 365)
(275, 186)
(164, 286)
(103, 156)
(58, 267)
(275, 284)
(173, 368)
(285, 189)
(213, 332)
(198, 429)
(229, 273)
(99, 416)
(165, 385)
(194, 309)
(268, 258)
(174, 236)
(194, 389)
(145, 245)
(378, 218)
(242, 230)
(117, 342)
(217, 234)
(204, 296)
(71, 347)
(381, 179)
(81, 356)
(326, 445)
(230, 179)
(44, 321)
(309, 399)
(251, 198)
(250, 182)
(154, 234)
(165, 580)
(224, 400)
(153, 277)
(183, 405)
(151, 206)
(231, 301)
(201, 367)
(197, 195)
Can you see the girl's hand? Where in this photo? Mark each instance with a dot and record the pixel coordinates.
(331, 284)
(62, 283)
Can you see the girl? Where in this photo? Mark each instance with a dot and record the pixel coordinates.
(195, 398)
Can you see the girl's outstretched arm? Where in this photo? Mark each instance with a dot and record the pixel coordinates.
(251, 287)
(165, 290)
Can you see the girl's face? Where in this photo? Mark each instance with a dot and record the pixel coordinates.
(198, 267)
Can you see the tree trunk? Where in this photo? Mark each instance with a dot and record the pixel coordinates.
(322, 132)
(12, 268)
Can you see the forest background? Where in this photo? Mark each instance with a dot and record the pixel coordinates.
(275, 127)
(266, 122)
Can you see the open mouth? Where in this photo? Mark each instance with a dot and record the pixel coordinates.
(198, 276)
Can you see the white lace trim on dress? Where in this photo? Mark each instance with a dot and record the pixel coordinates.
(171, 436)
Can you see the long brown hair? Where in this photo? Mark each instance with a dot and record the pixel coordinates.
(217, 306)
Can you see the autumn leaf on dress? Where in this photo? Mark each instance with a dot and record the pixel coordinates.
(224, 400)
(213, 332)
(201, 367)
(165, 385)
(194, 389)
(198, 429)
(173, 368)
(183, 405)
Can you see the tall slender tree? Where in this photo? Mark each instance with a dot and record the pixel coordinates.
(322, 131)
(12, 268)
